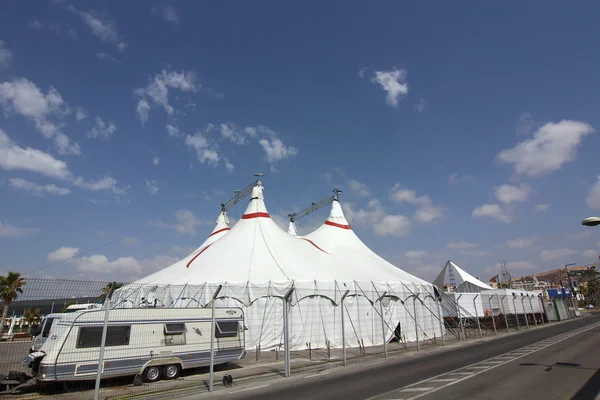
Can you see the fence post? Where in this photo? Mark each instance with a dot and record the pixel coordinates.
(492, 314)
(460, 321)
(441, 317)
(286, 333)
(477, 315)
(385, 349)
(543, 308)
(343, 328)
(504, 313)
(532, 311)
(416, 296)
(212, 340)
(103, 341)
(524, 312)
(516, 314)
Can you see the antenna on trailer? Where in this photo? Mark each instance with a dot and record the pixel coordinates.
(315, 206)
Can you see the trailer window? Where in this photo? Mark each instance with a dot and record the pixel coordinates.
(47, 326)
(226, 329)
(92, 336)
(175, 334)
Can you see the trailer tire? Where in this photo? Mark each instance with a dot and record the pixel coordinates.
(152, 373)
(171, 371)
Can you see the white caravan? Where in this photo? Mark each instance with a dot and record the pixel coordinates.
(152, 342)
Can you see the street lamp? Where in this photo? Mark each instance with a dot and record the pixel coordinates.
(591, 221)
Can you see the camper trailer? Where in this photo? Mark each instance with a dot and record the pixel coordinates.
(154, 343)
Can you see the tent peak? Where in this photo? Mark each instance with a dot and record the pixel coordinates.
(336, 216)
(256, 208)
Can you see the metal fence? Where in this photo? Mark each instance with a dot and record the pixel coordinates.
(51, 347)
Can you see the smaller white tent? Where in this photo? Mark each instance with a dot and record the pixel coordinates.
(463, 281)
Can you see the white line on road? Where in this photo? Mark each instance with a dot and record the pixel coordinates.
(252, 388)
(316, 375)
(415, 389)
(442, 380)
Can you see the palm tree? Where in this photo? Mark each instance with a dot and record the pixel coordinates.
(106, 290)
(31, 316)
(10, 288)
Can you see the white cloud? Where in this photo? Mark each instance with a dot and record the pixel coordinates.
(426, 211)
(474, 253)
(102, 130)
(10, 231)
(6, 56)
(167, 12)
(129, 240)
(81, 113)
(106, 56)
(23, 97)
(492, 211)
(206, 152)
(121, 46)
(525, 124)
(455, 179)
(101, 263)
(509, 194)
(393, 83)
(56, 27)
(361, 72)
(62, 253)
(581, 235)
(393, 225)
(101, 26)
(374, 217)
(275, 150)
(14, 157)
(143, 111)
(593, 199)
(104, 183)
(520, 265)
(590, 254)
(173, 131)
(152, 186)
(461, 245)
(420, 105)
(540, 208)
(415, 254)
(35, 189)
(520, 243)
(230, 167)
(157, 91)
(552, 146)
(548, 255)
(359, 188)
(185, 222)
(155, 160)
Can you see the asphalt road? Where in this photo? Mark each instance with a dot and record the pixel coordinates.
(566, 370)
(362, 382)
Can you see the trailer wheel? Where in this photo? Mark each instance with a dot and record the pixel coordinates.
(152, 374)
(171, 371)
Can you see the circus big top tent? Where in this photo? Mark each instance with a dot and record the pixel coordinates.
(257, 263)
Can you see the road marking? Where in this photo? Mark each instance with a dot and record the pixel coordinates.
(315, 375)
(245, 390)
(442, 380)
(373, 363)
(421, 389)
(505, 359)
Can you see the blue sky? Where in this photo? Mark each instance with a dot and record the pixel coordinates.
(463, 132)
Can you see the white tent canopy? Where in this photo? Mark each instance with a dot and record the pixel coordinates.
(465, 282)
(257, 263)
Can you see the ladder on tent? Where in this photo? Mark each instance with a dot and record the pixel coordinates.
(315, 206)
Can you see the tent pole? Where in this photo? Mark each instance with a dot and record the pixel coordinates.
(543, 308)
(502, 309)
(416, 296)
(343, 328)
(286, 333)
(460, 321)
(385, 349)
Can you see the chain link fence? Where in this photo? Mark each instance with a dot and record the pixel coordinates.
(57, 337)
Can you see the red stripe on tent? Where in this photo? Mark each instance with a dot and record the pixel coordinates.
(196, 256)
(337, 225)
(311, 242)
(256, 215)
(219, 231)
